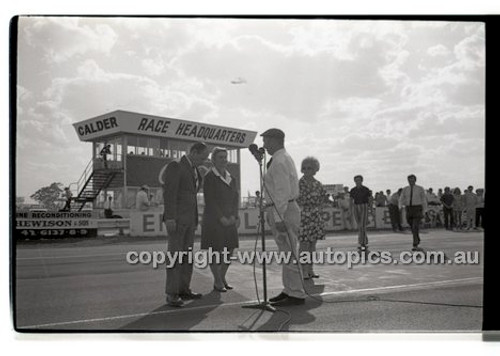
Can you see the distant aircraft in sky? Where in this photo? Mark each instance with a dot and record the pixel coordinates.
(239, 80)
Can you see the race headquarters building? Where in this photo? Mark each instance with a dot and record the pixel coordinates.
(140, 146)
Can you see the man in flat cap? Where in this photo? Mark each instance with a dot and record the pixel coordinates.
(283, 214)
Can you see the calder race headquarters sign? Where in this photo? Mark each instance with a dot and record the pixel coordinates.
(135, 123)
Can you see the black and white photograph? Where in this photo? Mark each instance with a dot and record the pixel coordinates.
(248, 174)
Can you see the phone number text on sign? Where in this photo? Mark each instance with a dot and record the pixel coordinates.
(61, 233)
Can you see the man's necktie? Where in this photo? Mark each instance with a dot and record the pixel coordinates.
(269, 163)
(195, 178)
(411, 195)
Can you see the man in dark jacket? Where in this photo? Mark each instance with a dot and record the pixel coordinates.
(447, 200)
(182, 183)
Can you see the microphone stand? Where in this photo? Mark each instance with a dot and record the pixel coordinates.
(264, 305)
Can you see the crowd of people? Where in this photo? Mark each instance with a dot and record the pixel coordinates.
(461, 211)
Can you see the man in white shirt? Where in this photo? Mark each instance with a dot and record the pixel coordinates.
(142, 199)
(415, 202)
(470, 200)
(283, 214)
(432, 199)
(345, 210)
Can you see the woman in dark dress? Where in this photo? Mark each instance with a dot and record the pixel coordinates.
(220, 217)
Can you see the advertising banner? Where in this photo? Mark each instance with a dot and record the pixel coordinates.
(150, 223)
(35, 225)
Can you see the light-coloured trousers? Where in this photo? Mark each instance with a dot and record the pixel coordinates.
(361, 217)
(288, 243)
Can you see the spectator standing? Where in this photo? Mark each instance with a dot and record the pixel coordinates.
(394, 212)
(142, 202)
(381, 200)
(480, 208)
(415, 202)
(432, 198)
(345, 210)
(458, 207)
(106, 150)
(470, 202)
(68, 196)
(361, 199)
(447, 200)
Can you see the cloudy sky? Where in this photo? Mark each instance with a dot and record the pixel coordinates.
(378, 98)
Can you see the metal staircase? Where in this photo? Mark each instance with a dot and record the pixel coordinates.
(96, 177)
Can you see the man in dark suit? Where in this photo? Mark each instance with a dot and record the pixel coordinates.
(182, 183)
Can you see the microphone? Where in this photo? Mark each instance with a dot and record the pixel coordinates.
(258, 153)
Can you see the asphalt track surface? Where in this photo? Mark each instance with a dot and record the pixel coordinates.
(87, 285)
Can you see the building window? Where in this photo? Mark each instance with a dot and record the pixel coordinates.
(164, 149)
(142, 146)
(154, 147)
(131, 145)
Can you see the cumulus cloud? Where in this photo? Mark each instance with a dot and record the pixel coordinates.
(69, 36)
(438, 50)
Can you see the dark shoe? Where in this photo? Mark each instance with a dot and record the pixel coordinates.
(223, 289)
(174, 301)
(279, 297)
(190, 295)
(289, 301)
(227, 286)
(315, 275)
(307, 277)
(416, 248)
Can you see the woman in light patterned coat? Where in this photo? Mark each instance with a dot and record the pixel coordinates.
(312, 196)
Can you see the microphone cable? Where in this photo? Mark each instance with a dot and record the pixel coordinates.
(259, 226)
(287, 313)
(254, 264)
